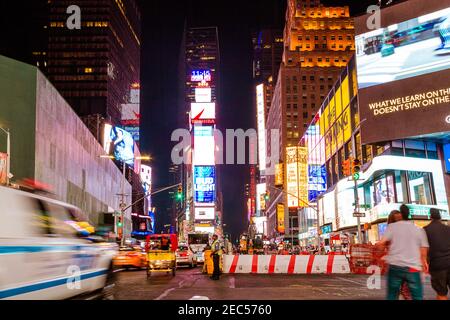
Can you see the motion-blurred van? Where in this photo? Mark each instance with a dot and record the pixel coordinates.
(44, 254)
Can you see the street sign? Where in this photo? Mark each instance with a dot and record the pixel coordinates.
(359, 215)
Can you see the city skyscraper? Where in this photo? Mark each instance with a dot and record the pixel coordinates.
(200, 77)
(318, 43)
(95, 67)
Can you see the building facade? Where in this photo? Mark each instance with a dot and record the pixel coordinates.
(202, 207)
(318, 43)
(94, 67)
(52, 145)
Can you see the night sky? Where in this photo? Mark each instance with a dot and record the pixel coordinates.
(163, 23)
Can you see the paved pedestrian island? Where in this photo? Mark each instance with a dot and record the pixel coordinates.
(191, 283)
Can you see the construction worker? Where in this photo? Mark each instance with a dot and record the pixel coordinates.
(216, 253)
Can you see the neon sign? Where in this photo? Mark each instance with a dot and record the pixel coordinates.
(201, 75)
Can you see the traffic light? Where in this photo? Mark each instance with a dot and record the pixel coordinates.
(267, 196)
(119, 222)
(346, 167)
(356, 169)
(180, 193)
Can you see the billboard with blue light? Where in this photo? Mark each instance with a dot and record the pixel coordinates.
(317, 181)
(205, 184)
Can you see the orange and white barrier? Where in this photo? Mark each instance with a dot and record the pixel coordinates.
(277, 264)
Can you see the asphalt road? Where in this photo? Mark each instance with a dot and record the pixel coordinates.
(188, 283)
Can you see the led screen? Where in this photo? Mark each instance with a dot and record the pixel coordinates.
(201, 75)
(205, 184)
(404, 50)
(203, 112)
(207, 213)
(204, 146)
(317, 181)
(119, 143)
(203, 95)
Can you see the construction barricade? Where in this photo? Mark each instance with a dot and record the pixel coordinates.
(286, 264)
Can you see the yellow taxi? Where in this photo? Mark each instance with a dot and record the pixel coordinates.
(129, 257)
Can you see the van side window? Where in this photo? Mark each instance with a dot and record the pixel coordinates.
(59, 217)
(41, 218)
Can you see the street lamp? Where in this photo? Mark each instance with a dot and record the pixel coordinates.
(122, 202)
(8, 154)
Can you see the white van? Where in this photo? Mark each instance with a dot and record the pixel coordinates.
(41, 255)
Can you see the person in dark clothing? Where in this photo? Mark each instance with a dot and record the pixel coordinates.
(439, 239)
(165, 244)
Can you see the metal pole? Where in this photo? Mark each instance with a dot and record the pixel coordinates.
(8, 157)
(358, 219)
(122, 204)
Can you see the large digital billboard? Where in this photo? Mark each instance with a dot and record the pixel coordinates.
(403, 72)
(201, 75)
(261, 189)
(405, 49)
(317, 181)
(261, 119)
(204, 146)
(204, 184)
(119, 143)
(203, 95)
(205, 213)
(3, 173)
(203, 113)
(297, 176)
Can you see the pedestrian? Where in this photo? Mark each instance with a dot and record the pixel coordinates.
(216, 252)
(393, 217)
(438, 236)
(407, 256)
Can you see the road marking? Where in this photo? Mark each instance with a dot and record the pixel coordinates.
(348, 280)
(232, 283)
(166, 293)
(199, 298)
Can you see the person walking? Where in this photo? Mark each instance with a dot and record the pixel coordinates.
(438, 236)
(216, 252)
(407, 256)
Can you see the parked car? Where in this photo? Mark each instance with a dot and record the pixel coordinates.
(43, 253)
(185, 256)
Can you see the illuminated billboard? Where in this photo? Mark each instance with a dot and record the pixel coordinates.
(280, 218)
(146, 178)
(118, 143)
(403, 72)
(203, 95)
(279, 175)
(259, 223)
(261, 119)
(201, 75)
(204, 184)
(317, 181)
(3, 169)
(204, 146)
(203, 113)
(204, 229)
(297, 176)
(260, 200)
(405, 49)
(205, 213)
(151, 214)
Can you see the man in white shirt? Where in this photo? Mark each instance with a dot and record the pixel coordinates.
(407, 257)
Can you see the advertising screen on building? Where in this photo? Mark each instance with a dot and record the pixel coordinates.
(260, 201)
(205, 184)
(280, 218)
(146, 178)
(447, 157)
(259, 223)
(205, 213)
(203, 113)
(201, 75)
(203, 95)
(204, 146)
(151, 214)
(405, 49)
(261, 119)
(297, 176)
(119, 143)
(403, 72)
(3, 173)
(201, 229)
(317, 181)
